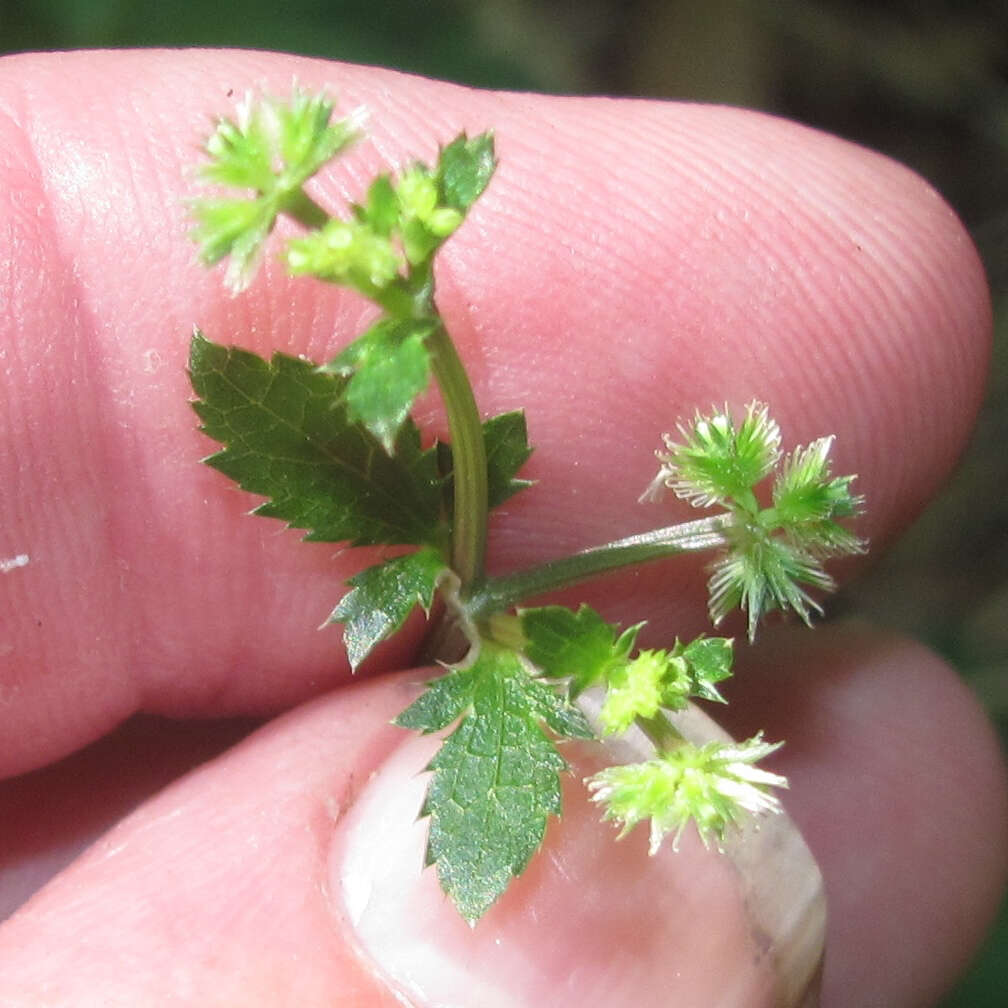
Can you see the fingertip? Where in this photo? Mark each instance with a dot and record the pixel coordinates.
(898, 784)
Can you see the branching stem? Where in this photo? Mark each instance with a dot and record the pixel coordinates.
(499, 593)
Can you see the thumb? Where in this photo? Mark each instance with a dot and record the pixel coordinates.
(590, 923)
(290, 871)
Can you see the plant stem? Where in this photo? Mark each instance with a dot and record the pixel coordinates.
(302, 208)
(469, 462)
(504, 592)
(662, 734)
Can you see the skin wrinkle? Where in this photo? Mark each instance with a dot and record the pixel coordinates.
(78, 533)
(821, 190)
(98, 393)
(855, 304)
(695, 169)
(277, 833)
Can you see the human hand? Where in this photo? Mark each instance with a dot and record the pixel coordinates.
(631, 261)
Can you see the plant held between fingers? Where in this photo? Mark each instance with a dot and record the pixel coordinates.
(334, 450)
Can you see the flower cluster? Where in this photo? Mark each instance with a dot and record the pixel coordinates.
(772, 551)
(712, 785)
(272, 149)
(654, 680)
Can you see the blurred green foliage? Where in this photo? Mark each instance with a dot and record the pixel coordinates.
(925, 81)
(434, 38)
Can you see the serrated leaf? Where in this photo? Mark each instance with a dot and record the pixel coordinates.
(287, 436)
(381, 598)
(708, 661)
(507, 449)
(495, 779)
(505, 441)
(561, 716)
(464, 169)
(441, 703)
(388, 367)
(579, 646)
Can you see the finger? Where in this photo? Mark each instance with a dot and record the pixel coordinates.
(898, 785)
(288, 865)
(221, 880)
(52, 815)
(631, 261)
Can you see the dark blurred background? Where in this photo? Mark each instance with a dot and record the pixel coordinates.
(925, 81)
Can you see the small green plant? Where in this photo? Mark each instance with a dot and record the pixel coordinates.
(334, 450)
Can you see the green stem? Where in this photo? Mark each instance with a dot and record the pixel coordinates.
(505, 592)
(302, 208)
(663, 735)
(469, 463)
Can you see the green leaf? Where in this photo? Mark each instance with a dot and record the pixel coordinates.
(561, 716)
(578, 646)
(507, 450)
(287, 436)
(496, 777)
(441, 703)
(464, 170)
(710, 661)
(388, 367)
(381, 598)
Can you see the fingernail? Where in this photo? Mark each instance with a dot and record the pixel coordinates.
(592, 922)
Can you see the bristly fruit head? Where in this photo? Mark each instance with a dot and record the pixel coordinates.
(716, 462)
(713, 785)
(270, 151)
(772, 551)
